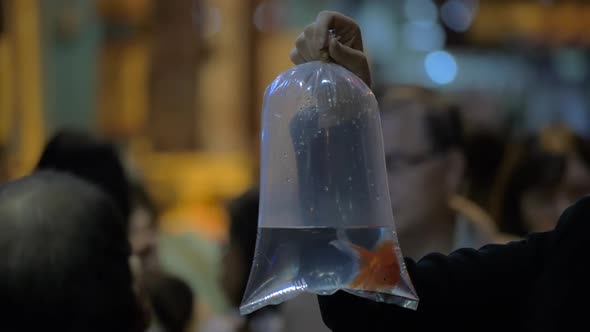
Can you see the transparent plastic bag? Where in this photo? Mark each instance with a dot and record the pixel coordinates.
(325, 222)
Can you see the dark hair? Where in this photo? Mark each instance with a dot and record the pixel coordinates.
(90, 159)
(243, 213)
(63, 258)
(243, 231)
(173, 303)
(442, 118)
(536, 161)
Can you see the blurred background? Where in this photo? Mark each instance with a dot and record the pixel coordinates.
(178, 85)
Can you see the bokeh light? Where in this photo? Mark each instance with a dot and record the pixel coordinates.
(458, 14)
(423, 36)
(441, 67)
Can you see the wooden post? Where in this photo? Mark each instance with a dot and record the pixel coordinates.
(25, 42)
(172, 89)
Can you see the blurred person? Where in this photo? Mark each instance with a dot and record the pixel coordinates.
(542, 175)
(486, 138)
(144, 229)
(424, 152)
(238, 255)
(96, 161)
(64, 258)
(236, 264)
(484, 151)
(173, 303)
(80, 154)
(170, 298)
(299, 314)
(537, 284)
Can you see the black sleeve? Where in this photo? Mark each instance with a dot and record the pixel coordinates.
(469, 289)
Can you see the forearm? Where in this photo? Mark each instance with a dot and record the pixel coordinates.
(466, 289)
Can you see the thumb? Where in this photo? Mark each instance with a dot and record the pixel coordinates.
(351, 59)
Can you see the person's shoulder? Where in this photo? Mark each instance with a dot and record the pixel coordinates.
(474, 227)
(574, 221)
(565, 273)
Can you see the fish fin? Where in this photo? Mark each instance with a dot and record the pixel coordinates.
(365, 254)
(362, 280)
(361, 255)
(343, 238)
(341, 235)
(386, 247)
(386, 251)
(347, 248)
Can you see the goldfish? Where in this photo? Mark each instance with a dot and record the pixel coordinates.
(377, 269)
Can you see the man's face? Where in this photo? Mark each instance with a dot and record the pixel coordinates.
(143, 235)
(417, 175)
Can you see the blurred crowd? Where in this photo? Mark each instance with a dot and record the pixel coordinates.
(79, 235)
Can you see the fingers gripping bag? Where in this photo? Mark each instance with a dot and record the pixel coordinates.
(325, 222)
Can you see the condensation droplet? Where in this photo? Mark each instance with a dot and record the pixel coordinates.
(326, 188)
(288, 179)
(350, 178)
(378, 197)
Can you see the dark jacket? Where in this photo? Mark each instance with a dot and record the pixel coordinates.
(537, 284)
